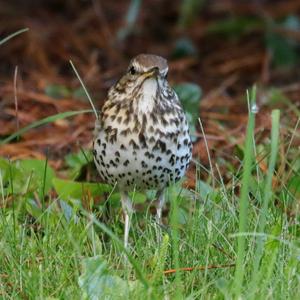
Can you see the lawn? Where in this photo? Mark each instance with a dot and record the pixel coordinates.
(62, 239)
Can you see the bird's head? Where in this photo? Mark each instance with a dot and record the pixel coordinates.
(147, 66)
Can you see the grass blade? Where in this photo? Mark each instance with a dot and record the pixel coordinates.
(44, 121)
(266, 198)
(247, 163)
(85, 90)
(13, 35)
(175, 247)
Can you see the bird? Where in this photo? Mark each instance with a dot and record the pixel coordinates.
(141, 137)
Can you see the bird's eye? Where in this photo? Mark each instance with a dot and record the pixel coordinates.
(132, 70)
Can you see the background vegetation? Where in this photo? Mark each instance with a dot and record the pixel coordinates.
(231, 227)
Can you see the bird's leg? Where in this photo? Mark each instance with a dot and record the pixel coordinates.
(127, 209)
(159, 205)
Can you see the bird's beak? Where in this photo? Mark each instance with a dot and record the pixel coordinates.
(151, 73)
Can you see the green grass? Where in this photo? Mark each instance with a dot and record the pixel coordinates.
(54, 248)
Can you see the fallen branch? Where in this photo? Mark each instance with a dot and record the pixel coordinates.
(202, 268)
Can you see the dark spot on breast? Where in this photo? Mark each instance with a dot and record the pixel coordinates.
(153, 117)
(119, 119)
(126, 121)
(164, 121)
(98, 142)
(152, 140)
(167, 170)
(142, 140)
(112, 117)
(158, 158)
(126, 163)
(134, 144)
(144, 165)
(172, 159)
(117, 153)
(149, 155)
(160, 145)
(122, 147)
(125, 132)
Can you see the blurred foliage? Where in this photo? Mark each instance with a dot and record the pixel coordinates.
(235, 26)
(69, 190)
(57, 91)
(284, 50)
(184, 47)
(189, 10)
(190, 95)
(25, 177)
(130, 19)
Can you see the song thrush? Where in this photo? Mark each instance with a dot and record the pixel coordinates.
(142, 137)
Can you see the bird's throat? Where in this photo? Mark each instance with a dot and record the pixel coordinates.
(148, 93)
